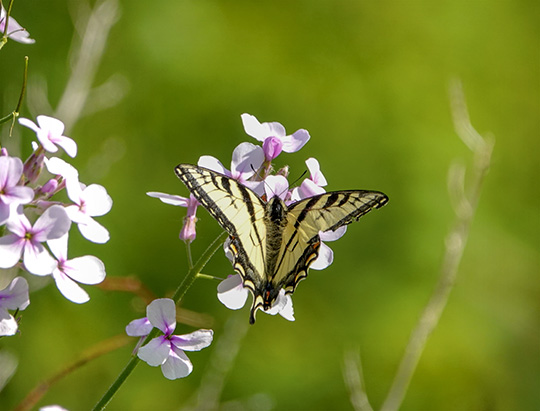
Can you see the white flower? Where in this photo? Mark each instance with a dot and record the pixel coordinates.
(49, 133)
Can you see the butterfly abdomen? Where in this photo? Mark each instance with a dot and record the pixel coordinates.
(275, 220)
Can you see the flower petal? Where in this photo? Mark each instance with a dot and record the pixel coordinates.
(275, 129)
(139, 327)
(15, 296)
(315, 172)
(18, 223)
(17, 195)
(246, 159)
(169, 198)
(195, 341)
(177, 365)
(68, 144)
(295, 142)
(282, 306)
(52, 125)
(156, 351)
(276, 186)
(93, 231)
(309, 188)
(212, 163)
(97, 201)
(11, 169)
(11, 248)
(287, 311)
(37, 259)
(86, 269)
(59, 247)
(325, 258)
(253, 127)
(333, 235)
(162, 314)
(69, 288)
(4, 213)
(8, 324)
(232, 293)
(52, 224)
(29, 123)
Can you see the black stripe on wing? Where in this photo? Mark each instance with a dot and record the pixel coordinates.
(329, 211)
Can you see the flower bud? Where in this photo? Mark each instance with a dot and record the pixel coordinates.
(34, 165)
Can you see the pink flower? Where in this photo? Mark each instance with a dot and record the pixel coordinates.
(26, 240)
(188, 232)
(86, 270)
(13, 297)
(49, 133)
(274, 137)
(167, 350)
(14, 30)
(11, 193)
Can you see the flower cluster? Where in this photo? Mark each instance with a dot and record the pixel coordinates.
(252, 166)
(36, 225)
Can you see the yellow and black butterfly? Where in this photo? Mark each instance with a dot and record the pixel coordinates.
(273, 244)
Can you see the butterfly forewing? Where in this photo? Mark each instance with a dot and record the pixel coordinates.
(237, 209)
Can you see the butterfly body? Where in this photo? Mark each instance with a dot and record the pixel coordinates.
(273, 244)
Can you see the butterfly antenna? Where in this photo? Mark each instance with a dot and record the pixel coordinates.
(299, 178)
(257, 172)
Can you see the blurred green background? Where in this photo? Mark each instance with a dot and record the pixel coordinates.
(369, 80)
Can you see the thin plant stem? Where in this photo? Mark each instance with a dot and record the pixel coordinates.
(188, 253)
(455, 245)
(199, 265)
(178, 295)
(209, 277)
(15, 113)
(354, 379)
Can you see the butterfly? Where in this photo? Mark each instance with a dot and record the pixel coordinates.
(272, 243)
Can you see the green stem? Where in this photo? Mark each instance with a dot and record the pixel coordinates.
(209, 277)
(178, 295)
(199, 265)
(188, 253)
(15, 113)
